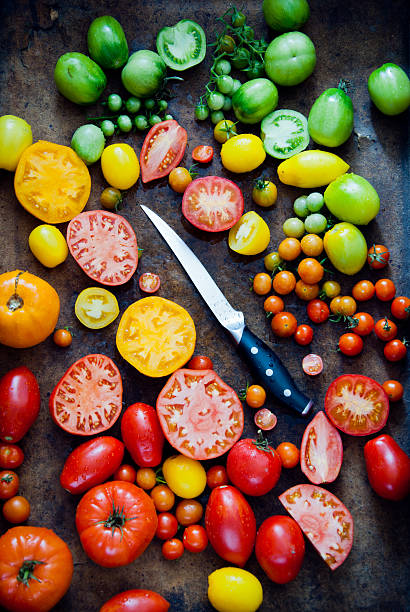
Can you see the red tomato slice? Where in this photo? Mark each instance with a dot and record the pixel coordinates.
(149, 282)
(163, 148)
(321, 453)
(323, 519)
(104, 245)
(265, 419)
(212, 203)
(312, 364)
(200, 415)
(88, 398)
(357, 405)
(203, 154)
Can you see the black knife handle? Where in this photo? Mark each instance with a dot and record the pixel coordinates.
(272, 374)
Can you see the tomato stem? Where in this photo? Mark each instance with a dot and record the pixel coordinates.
(261, 442)
(116, 520)
(26, 572)
(15, 301)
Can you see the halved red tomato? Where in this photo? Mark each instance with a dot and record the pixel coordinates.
(357, 405)
(88, 398)
(149, 282)
(323, 519)
(321, 453)
(104, 245)
(163, 148)
(212, 203)
(203, 154)
(200, 415)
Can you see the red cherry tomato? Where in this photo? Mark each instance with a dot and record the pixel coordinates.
(167, 526)
(363, 290)
(394, 390)
(377, 256)
(16, 509)
(388, 468)
(9, 484)
(142, 434)
(350, 344)
(385, 329)
(395, 350)
(216, 476)
(195, 538)
(318, 311)
(63, 337)
(189, 512)
(303, 335)
(265, 419)
(361, 323)
(312, 364)
(385, 289)
(11, 456)
(280, 548)
(203, 154)
(126, 473)
(149, 282)
(200, 362)
(284, 324)
(19, 403)
(172, 549)
(400, 307)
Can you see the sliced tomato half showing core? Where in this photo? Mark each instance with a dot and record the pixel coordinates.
(357, 405)
(162, 150)
(324, 520)
(321, 453)
(212, 203)
(104, 245)
(88, 398)
(200, 415)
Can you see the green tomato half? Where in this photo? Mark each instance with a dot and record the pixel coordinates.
(254, 100)
(106, 42)
(352, 198)
(330, 120)
(79, 79)
(389, 89)
(183, 45)
(144, 73)
(346, 248)
(15, 137)
(290, 58)
(285, 15)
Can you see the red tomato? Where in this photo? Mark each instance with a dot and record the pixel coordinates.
(312, 364)
(126, 472)
(385, 329)
(284, 324)
(357, 405)
(149, 282)
(115, 521)
(87, 400)
(163, 497)
(361, 323)
(289, 454)
(142, 435)
(9, 484)
(280, 548)
(212, 203)
(303, 335)
(265, 419)
(11, 456)
(162, 150)
(363, 290)
(200, 362)
(377, 256)
(91, 463)
(324, 520)
(104, 245)
(195, 538)
(394, 390)
(388, 468)
(230, 524)
(350, 344)
(172, 549)
(400, 307)
(395, 350)
(321, 452)
(136, 600)
(385, 289)
(216, 476)
(253, 466)
(200, 415)
(16, 509)
(167, 526)
(19, 403)
(318, 311)
(203, 154)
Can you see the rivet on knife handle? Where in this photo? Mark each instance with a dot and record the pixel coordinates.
(271, 373)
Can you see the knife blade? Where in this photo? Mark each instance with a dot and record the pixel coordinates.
(263, 361)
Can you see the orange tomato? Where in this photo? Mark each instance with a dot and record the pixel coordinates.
(262, 283)
(289, 249)
(312, 245)
(310, 270)
(284, 282)
(304, 291)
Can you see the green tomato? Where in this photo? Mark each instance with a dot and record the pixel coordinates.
(108, 128)
(240, 58)
(141, 122)
(351, 198)
(227, 104)
(290, 58)
(186, 477)
(272, 261)
(300, 207)
(294, 227)
(330, 120)
(168, 117)
(88, 142)
(236, 85)
(255, 70)
(314, 201)
(346, 248)
(79, 79)
(315, 224)
(106, 42)
(215, 100)
(48, 245)
(114, 102)
(254, 100)
(389, 89)
(284, 133)
(223, 67)
(144, 73)
(224, 83)
(15, 137)
(285, 15)
(217, 116)
(154, 119)
(124, 123)
(162, 105)
(183, 45)
(149, 103)
(201, 112)
(133, 105)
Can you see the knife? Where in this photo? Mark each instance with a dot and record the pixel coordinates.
(265, 364)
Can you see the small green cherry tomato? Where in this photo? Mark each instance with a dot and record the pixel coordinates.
(294, 227)
(227, 104)
(154, 119)
(149, 103)
(215, 100)
(236, 85)
(217, 116)
(48, 245)
(223, 66)
(315, 223)
(162, 105)
(124, 123)
(114, 102)
(133, 105)
(201, 112)
(107, 127)
(224, 83)
(389, 89)
(300, 207)
(141, 122)
(315, 201)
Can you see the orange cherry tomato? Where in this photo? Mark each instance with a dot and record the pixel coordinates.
(350, 344)
(385, 289)
(303, 335)
(189, 511)
(289, 249)
(163, 498)
(62, 337)
(377, 256)
(385, 329)
(179, 179)
(262, 283)
(172, 549)
(273, 304)
(284, 324)
(312, 245)
(310, 270)
(16, 509)
(363, 290)
(289, 454)
(146, 478)
(284, 282)
(307, 292)
(343, 305)
(255, 396)
(394, 390)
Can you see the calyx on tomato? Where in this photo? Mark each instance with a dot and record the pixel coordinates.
(321, 452)
(162, 150)
(200, 415)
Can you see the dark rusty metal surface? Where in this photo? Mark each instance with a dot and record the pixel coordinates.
(352, 38)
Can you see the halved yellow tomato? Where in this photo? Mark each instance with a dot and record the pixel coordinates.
(250, 235)
(96, 307)
(156, 336)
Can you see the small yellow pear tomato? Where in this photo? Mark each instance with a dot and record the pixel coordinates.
(186, 477)
(120, 166)
(232, 588)
(48, 244)
(243, 153)
(96, 307)
(250, 235)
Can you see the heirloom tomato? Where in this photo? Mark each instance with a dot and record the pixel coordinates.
(352, 198)
(346, 248)
(19, 403)
(388, 468)
(330, 119)
(144, 73)
(290, 58)
(48, 245)
(96, 307)
(142, 434)
(264, 193)
(78, 78)
(15, 137)
(285, 15)
(321, 452)
(231, 588)
(255, 99)
(280, 548)
(136, 600)
(284, 133)
(311, 169)
(389, 89)
(162, 150)
(185, 476)
(242, 153)
(182, 45)
(106, 43)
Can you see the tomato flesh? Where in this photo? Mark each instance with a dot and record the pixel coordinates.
(203, 154)
(149, 282)
(200, 415)
(212, 203)
(163, 148)
(357, 405)
(321, 453)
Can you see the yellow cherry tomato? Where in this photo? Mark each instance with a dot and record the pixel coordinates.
(186, 477)
(250, 235)
(224, 130)
(243, 153)
(311, 169)
(312, 245)
(331, 289)
(96, 307)
(48, 244)
(15, 137)
(120, 165)
(264, 193)
(234, 589)
(179, 179)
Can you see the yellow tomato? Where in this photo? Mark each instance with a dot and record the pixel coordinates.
(311, 169)
(224, 130)
(120, 166)
(243, 153)
(96, 307)
(186, 477)
(15, 137)
(234, 589)
(48, 244)
(250, 235)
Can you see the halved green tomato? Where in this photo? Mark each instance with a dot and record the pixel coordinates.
(96, 307)
(183, 45)
(284, 133)
(250, 235)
